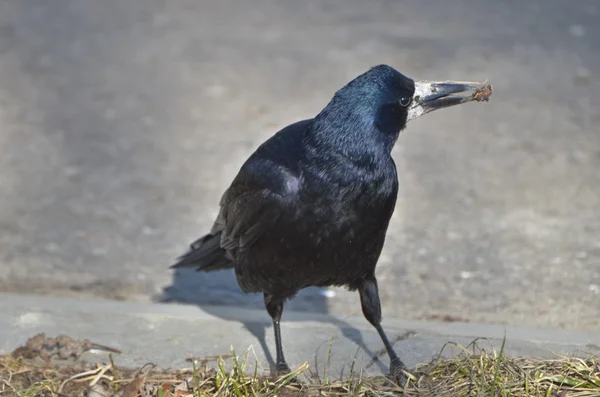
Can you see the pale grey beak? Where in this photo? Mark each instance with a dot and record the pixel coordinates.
(433, 95)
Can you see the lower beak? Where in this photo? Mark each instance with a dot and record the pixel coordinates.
(432, 95)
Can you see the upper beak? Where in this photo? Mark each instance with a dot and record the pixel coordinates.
(433, 95)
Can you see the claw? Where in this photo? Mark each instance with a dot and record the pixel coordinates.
(397, 375)
(281, 369)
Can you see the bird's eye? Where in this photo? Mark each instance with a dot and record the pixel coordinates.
(404, 102)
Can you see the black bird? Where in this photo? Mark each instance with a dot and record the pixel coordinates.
(311, 206)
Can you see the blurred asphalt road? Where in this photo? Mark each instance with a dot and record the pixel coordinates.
(122, 122)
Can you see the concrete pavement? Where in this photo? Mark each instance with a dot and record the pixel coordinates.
(121, 123)
(168, 334)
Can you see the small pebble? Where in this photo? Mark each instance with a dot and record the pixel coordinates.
(466, 275)
(71, 171)
(216, 91)
(51, 247)
(99, 251)
(148, 231)
(577, 31)
(453, 236)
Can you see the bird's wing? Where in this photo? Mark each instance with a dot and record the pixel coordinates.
(261, 193)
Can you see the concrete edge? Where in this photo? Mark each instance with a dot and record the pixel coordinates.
(204, 313)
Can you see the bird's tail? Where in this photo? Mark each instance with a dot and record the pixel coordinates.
(206, 254)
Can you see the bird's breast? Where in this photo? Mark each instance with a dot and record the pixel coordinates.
(330, 234)
(344, 211)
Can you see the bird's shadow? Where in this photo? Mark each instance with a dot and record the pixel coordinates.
(211, 290)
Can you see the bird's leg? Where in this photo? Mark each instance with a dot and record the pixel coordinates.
(275, 308)
(371, 307)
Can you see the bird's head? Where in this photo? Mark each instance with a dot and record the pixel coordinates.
(374, 107)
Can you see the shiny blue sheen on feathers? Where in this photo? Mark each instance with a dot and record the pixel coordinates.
(311, 206)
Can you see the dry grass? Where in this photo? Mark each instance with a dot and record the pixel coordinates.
(471, 372)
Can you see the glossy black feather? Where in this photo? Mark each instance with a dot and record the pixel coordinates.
(311, 205)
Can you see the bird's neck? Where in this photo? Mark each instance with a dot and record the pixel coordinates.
(345, 162)
(355, 141)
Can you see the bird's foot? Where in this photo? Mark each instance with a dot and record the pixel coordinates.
(397, 376)
(281, 369)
